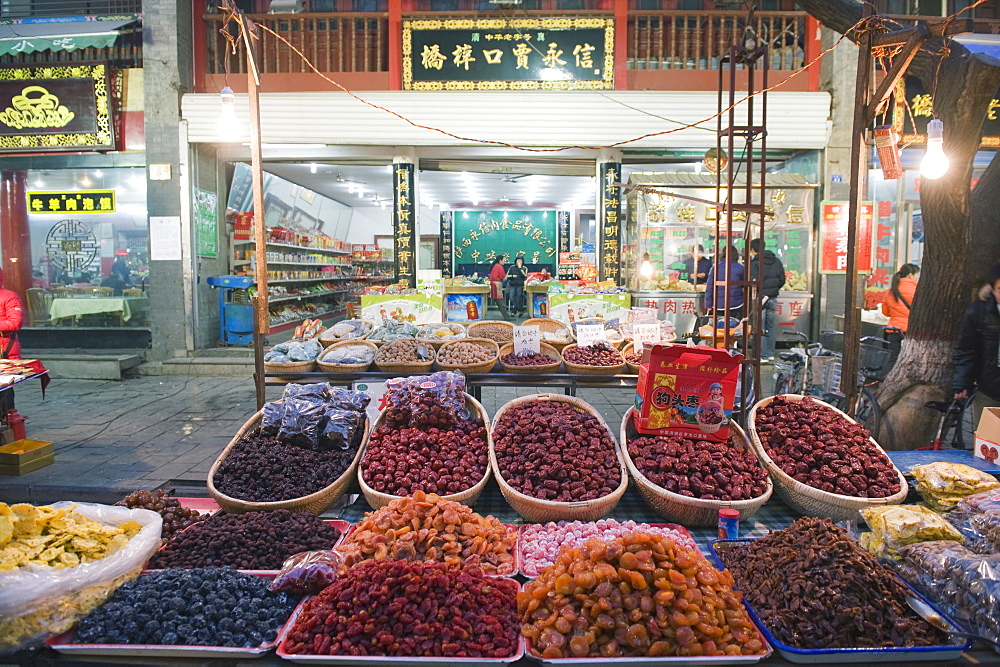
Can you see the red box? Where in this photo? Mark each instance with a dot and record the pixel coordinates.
(244, 223)
(686, 391)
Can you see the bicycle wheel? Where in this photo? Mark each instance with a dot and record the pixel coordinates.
(869, 413)
(783, 380)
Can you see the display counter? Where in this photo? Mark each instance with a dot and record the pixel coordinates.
(465, 303)
(538, 300)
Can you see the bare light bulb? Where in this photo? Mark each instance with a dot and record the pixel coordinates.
(646, 268)
(228, 127)
(935, 163)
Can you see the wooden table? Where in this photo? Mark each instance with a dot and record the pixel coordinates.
(74, 307)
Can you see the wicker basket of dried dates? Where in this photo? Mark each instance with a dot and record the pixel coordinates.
(546, 360)
(555, 458)
(598, 359)
(688, 482)
(633, 358)
(824, 463)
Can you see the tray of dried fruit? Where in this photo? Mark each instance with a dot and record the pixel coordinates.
(343, 527)
(400, 661)
(672, 660)
(279, 606)
(554, 536)
(939, 653)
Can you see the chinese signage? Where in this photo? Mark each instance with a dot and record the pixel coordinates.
(569, 308)
(55, 109)
(447, 242)
(562, 222)
(87, 201)
(610, 250)
(883, 261)
(404, 220)
(509, 54)
(414, 308)
(479, 236)
(206, 234)
(833, 237)
(914, 108)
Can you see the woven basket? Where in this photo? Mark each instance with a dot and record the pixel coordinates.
(327, 339)
(345, 368)
(468, 497)
(806, 499)
(412, 367)
(590, 370)
(436, 343)
(549, 325)
(683, 509)
(632, 368)
(315, 503)
(544, 348)
(484, 367)
(295, 367)
(508, 337)
(541, 511)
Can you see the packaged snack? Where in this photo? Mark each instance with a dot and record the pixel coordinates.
(943, 485)
(307, 573)
(895, 526)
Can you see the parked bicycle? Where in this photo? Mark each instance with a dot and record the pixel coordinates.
(951, 423)
(874, 364)
(793, 374)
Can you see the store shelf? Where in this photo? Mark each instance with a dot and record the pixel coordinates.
(339, 253)
(269, 263)
(374, 261)
(298, 297)
(298, 280)
(288, 326)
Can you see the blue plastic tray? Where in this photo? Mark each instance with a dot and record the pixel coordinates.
(851, 655)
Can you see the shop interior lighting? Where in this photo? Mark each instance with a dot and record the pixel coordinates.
(935, 163)
(228, 127)
(312, 167)
(646, 270)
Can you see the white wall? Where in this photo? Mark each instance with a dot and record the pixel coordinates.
(369, 221)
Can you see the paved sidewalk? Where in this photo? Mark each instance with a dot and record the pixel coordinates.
(112, 438)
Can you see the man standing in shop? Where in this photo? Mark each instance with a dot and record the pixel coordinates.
(774, 280)
(697, 266)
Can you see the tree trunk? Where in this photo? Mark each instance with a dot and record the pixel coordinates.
(961, 229)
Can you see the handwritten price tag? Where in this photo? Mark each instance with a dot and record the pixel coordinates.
(527, 339)
(589, 334)
(645, 333)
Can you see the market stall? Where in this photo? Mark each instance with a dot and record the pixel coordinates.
(465, 301)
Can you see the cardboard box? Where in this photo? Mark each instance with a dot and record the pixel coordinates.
(20, 452)
(988, 435)
(686, 391)
(25, 468)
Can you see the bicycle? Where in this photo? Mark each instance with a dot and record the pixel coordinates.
(952, 420)
(795, 375)
(873, 367)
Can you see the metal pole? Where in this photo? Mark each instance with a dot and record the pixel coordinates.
(852, 309)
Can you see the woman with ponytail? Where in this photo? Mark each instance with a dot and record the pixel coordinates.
(899, 298)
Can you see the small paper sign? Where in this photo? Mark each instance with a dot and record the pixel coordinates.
(589, 334)
(527, 339)
(645, 333)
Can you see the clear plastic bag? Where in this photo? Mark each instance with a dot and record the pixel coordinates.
(942, 485)
(339, 429)
(270, 422)
(319, 391)
(38, 601)
(965, 585)
(895, 526)
(307, 573)
(302, 422)
(435, 400)
(346, 399)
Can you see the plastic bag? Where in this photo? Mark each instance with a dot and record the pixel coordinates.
(339, 429)
(302, 421)
(410, 402)
(38, 601)
(965, 585)
(319, 391)
(270, 421)
(895, 526)
(307, 573)
(943, 485)
(346, 399)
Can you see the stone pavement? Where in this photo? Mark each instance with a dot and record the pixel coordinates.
(113, 437)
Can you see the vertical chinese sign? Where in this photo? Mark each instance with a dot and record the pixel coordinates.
(834, 219)
(609, 249)
(206, 230)
(404, 220)
(914, 108)
(447, 243)
(562, 231)
(883, 262)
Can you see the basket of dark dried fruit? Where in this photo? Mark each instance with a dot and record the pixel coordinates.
(688, 481)
(555, 458)
(299, 453)
(824, 464)
(633, 358)
(546, 360)
(597, 359)
(819, 597)
(431, 437)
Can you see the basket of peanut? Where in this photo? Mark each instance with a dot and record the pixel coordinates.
(472, 355)
(498, 331)
(406, 355)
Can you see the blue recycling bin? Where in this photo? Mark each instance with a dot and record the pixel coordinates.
(235, 311)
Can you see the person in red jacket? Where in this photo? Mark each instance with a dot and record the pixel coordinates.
(11, 317)
(896, 306)
(497, 274)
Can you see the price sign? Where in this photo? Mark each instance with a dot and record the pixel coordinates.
(645, 333)
(377, 391)
(527, 339)
(588, 334)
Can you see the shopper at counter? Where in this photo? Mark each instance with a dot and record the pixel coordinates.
(696, 266)
(733, 274)
(977, 352)
(517, 274)
(774, 279)
(497, 275)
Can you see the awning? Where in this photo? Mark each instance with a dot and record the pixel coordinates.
(62, 33)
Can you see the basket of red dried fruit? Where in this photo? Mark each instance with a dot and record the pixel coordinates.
(687, 481)
(632, 358)
(556, 459)
(546, 360)
(823, 462)
(598, 359)
(415, 446)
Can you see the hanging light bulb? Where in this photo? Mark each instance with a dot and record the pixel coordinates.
(228, 127)
(935, 163)
(646, 269)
